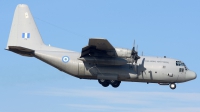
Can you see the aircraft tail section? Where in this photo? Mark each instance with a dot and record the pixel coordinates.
(24, 36)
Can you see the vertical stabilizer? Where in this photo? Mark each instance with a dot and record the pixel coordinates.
(24, 33)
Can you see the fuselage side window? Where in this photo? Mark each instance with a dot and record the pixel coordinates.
(181, 69)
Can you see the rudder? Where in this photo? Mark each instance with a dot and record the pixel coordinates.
(24, 35)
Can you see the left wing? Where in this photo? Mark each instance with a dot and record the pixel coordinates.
(101, 44)
(99, 48)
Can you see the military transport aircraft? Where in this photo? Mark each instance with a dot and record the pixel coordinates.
(99, 60)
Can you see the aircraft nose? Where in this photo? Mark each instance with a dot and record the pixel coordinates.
(190, 75)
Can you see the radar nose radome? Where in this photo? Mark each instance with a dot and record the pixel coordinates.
(190, 75)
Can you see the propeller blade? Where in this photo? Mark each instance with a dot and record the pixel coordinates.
(134, 55)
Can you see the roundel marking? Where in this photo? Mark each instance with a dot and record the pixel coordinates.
(65, 59)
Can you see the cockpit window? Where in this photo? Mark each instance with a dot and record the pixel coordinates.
(179, 63)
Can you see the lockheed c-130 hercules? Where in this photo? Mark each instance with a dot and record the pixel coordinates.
(99, 60)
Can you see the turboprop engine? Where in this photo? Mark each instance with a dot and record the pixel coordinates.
(128, 54)
(123, 53)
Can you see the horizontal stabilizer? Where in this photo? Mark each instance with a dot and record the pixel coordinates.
(22, 51)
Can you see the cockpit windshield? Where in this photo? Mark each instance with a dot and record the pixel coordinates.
(179, 63)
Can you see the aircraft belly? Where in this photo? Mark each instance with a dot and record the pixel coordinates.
(55, 59)
(142, 72)
(156, 70)
(169, 75)
(150, 74)
(111, 72)
(85, 71)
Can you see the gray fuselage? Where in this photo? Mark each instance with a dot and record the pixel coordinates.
(147, 69)
(98, 60)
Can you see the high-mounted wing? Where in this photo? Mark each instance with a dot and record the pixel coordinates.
(98, 47)
(101, 44)
(100, 51)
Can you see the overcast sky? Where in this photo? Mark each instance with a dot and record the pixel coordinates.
(160, 27)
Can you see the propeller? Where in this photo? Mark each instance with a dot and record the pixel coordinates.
(134, 54)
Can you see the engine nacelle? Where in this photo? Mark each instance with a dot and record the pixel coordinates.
(123, 53)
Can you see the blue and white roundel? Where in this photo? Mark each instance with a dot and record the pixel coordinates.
(65, 59)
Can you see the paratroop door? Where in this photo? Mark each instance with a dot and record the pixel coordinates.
(81, 69)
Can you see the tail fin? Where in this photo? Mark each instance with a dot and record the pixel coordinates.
(24, 36)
